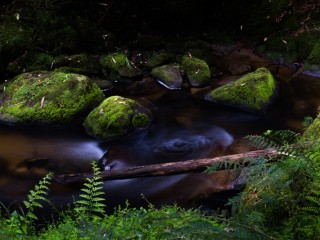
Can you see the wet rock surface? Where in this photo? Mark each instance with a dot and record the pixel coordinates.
(169, 76)
(116, 117)
(252, 92)
(49, 99)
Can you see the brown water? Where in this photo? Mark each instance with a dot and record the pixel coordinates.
(202, 130)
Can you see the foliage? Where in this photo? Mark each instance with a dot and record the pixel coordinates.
(21, 223)
(285, 194)
(281, 200)
(91, 202)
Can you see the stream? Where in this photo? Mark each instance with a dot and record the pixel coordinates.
(183, 128)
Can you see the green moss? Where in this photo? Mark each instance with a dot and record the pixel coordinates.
(41, 62)
(49, 98)
(140, 120)
(314, 57)
(71, 70)
(158, 59)
(168, 75)
(13, 39)
(117, 116)
(252, 92)
(119, 62)
(313, 131)
(198, 72)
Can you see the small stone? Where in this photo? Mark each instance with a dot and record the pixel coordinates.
(168, 76)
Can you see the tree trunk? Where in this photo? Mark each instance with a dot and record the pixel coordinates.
(172, 168)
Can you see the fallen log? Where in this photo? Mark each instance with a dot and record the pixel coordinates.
(165, 169)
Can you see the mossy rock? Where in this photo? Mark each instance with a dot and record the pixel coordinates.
(312, 133)
(49, 99)
(78, 63)
(197, 71)
(168, 76)
(116, 117)
(71, 70)
(314, 57)
(119, 62)
(253, 92)
(158, 59)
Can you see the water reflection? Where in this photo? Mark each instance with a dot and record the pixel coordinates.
(183, 128)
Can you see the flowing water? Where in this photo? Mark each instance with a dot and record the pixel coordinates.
(183, 128)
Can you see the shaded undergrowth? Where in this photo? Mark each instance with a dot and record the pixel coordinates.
(281, 200)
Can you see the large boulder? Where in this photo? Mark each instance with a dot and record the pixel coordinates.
(49, 99)
(253, 92)
(116, 117)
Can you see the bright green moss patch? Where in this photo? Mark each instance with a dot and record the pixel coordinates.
(119, 62)
(252, 92)
(197, 71)
(49, 98)
(117, 116)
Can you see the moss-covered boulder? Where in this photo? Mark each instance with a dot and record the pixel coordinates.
(49, 99)
(119, 63)
(116, 117)
(168, 76)
(79, 63)
(253, 92)
(158, 59)
(197, 71)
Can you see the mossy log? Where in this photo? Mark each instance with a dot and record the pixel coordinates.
(165, 169)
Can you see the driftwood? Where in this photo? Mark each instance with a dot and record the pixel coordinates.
(172, 168)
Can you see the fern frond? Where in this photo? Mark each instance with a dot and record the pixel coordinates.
(22, 220)
(281, 140)
(312, 202)
(90, 202)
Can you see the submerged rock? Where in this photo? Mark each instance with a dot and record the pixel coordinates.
(197, 71)
(252, 92)
(116, 117)
(49, 98)
(168, 75)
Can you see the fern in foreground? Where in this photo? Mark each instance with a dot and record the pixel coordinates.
(21, 223)
(284, 194)
(91, 202)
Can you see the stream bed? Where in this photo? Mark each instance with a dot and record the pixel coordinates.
(183, 128)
